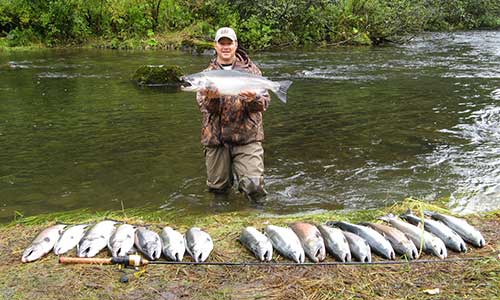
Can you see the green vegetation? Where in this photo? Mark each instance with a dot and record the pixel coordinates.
(260, 24)
(455, 280)
(146, 75)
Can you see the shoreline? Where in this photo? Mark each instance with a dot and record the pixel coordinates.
(50, 280)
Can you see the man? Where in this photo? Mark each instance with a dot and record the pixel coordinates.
(232, 131)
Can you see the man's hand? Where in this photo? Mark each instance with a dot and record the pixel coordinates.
(248, 95)
(210, 93)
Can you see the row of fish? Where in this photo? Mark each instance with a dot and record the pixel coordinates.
(346, 241)
(121, 241)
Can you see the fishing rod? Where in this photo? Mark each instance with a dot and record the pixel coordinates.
(138, 261)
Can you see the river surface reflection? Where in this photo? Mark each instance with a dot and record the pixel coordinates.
(364, 127)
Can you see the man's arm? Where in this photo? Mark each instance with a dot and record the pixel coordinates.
(208, 100)
(256, 102)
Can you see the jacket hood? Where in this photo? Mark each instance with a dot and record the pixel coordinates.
(242, 59)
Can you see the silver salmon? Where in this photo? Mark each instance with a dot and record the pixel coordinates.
(376, 241)
(335, 243)
(422, 239)
(148, 242)
(121, 241)
(460, 226)
(70, 238)
(199, 244)
(286, 242)
(401, 244)
(311, 240)
(360, 249)
(450, 238)
(173, 244)
(231, 83)
(259, 244)
(43, 243)
(95, 239)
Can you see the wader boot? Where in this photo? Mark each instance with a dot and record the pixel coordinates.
(246, 162)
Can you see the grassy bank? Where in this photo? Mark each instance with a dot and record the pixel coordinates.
(46, 279)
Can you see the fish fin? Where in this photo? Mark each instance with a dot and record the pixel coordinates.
(331, 223)
(408, 212)
(428, 213)
(385, 218)
(282, 89)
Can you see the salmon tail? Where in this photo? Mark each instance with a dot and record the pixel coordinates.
(386, 218)
(282, 89)
(428, 213)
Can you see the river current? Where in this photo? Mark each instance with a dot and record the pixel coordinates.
(363, 127)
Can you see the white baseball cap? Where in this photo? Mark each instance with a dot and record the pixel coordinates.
(225, 32)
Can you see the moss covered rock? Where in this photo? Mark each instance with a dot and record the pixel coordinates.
(158, 75)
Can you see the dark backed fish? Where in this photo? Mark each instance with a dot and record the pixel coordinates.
(259, 244)
(173, 244)
(311, 240)
(335, 243)
(422, 239)
(199, 244)
(122, 240)
(460, 226)
(399, 241)
(70, 238)
(376, 241)
(360, 249)
(450, 238)
(43, 243)
(286, 242)
(148, 242)
(95, 239)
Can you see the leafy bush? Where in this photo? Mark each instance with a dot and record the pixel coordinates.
(260, 23)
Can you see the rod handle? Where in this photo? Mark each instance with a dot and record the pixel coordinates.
(84, 260)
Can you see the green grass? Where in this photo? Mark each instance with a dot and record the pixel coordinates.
(46, 279)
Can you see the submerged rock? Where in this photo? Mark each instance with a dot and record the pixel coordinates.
(158, 75)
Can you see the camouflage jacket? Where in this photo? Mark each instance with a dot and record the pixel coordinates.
(229, 119)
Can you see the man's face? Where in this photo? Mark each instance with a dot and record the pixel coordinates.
(226, 50)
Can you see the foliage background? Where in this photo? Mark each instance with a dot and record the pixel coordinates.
(260, 24)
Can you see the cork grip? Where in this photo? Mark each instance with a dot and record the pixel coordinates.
(84, 260)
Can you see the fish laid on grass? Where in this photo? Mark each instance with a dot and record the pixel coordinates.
(122, 240)
(148, 242)
(286, 242)
(450, 238)
(376, 241)
(259, 244)
(460, 226)
(311, 240)
(95, 239)
(70, 238)
(335, 243)
(399, 241)
(360, 249)
(199, 244)
(422, 239)
(43, 243)
(173, 244)
(231, 83)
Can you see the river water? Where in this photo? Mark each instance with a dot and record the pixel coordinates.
(363, 127)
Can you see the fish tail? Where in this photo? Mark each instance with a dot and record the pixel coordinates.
(282, 89)
(386, 218)
(428, 213)
(332, 223)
